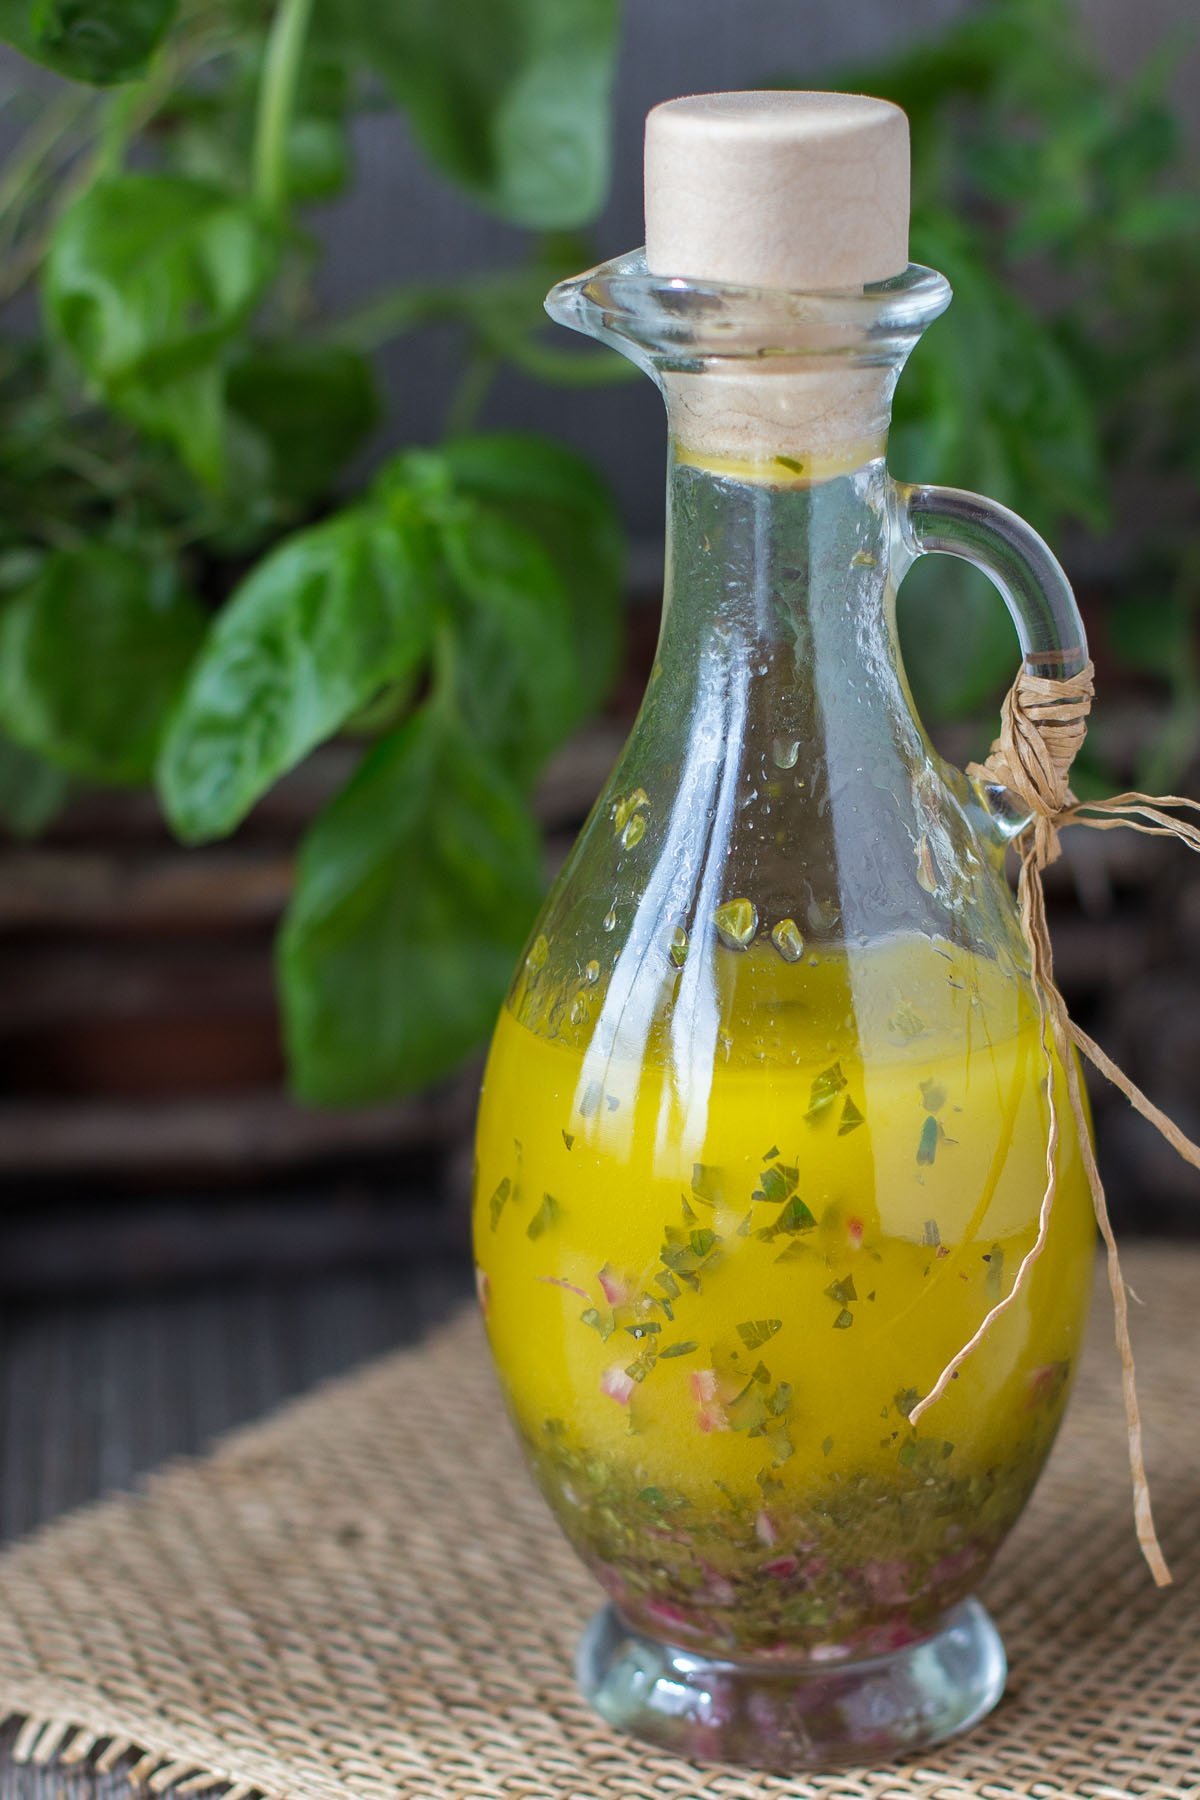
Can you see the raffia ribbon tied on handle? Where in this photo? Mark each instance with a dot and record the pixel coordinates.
(1043, 725)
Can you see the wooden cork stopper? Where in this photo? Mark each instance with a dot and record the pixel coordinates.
(805, 191)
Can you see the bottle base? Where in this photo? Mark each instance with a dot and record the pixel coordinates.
(787, 1717)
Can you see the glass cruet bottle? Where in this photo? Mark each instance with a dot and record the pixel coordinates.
(763, 1132)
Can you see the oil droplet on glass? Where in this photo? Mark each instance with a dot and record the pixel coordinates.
(634, 831)
(787, 940)
(785, 751)
(592, 973)
(679, 947)
(539, 950)
(625, 809)
(581, 1012)
(609, 920)
(736, 922)
(823, 915)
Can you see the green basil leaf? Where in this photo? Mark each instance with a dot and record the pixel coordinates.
(312, 633)
(508, 97)
(32, 791)
(147, 279)
(318, 159)
(517, 669)
(98, 41)
(414, 891)
(92, 657)
(558, 497)
(991, 401)
(309, 406)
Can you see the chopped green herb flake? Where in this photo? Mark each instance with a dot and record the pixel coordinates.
(689, 1212)
(589, 1105)
(794, 1218)
(906, 1399)
(743, 1229)
(769, 1156)
(842, 1291)
(777, 1184)
(844, 1320)
(667, 1282)
(748, 1412)
(707, 1184)
(601, 1322)
(641, 1366)
(825, 1090)
(684, 1349)
(644, 1328)
(827, 1445)
(851, 1117)
(499, 1200)
(547, 1214)
(791, 462)
(906, 1022)
(927, 1148)
(754, 1332)
(662, 1501)
(994, 1279)
(796, 1251)
(703, 1242)
(933, 1096)
(931, 1235)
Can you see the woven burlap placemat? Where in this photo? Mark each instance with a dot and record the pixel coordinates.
(364, 1597)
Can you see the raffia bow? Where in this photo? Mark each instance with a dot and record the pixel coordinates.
(1043, 725)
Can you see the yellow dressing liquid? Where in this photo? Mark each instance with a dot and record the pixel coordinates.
(716, 1283)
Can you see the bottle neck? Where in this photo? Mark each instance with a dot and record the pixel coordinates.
(809, 418)
(783, 576)
(779, 680)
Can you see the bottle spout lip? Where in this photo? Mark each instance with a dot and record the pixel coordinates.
(665, 322)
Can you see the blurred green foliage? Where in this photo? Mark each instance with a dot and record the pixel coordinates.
(186, 596)
(1064, 205)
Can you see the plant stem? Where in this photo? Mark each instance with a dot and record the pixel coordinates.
(472, 390)
(444, 658)
(276, 100)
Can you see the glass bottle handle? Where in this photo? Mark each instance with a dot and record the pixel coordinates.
(1019, 564)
